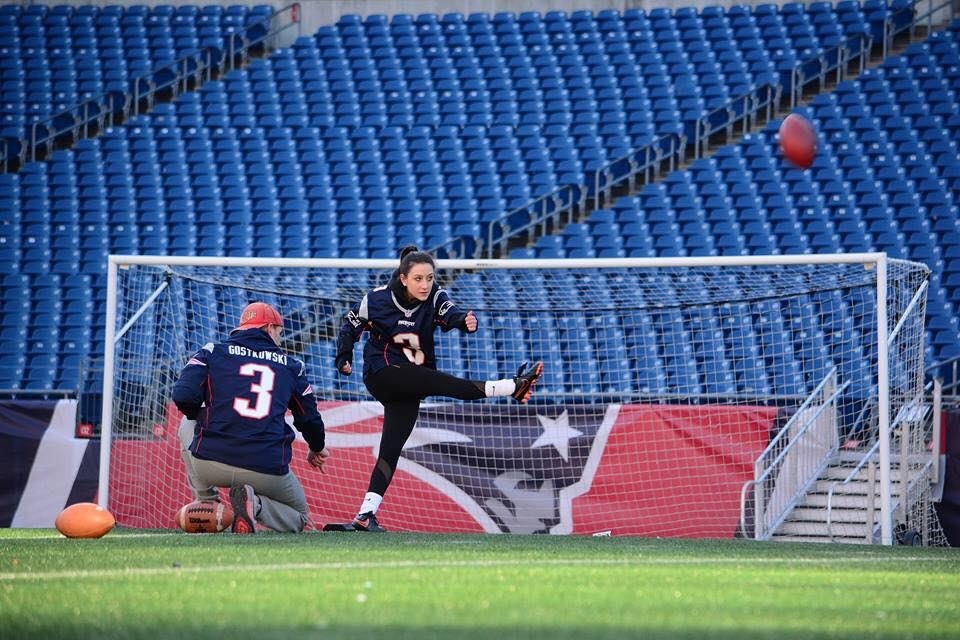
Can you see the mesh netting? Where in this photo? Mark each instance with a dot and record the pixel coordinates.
(662, 386)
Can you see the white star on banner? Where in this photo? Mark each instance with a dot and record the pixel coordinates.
(556, 432)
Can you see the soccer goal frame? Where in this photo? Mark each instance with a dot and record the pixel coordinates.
(869, 261)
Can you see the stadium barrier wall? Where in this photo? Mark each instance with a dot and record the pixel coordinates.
(44, 466)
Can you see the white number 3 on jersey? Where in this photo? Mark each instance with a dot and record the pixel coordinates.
(263, 389)
(411, 347)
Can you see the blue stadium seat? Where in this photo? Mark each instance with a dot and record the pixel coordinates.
(474, 136)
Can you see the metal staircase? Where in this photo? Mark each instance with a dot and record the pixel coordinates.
(843, 503)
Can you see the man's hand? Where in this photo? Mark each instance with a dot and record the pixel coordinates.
(318, 458)
(470, 322)
(342, 364)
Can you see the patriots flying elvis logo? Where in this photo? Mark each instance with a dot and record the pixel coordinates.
(515, 470)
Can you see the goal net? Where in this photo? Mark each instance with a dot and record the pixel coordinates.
(665, 381)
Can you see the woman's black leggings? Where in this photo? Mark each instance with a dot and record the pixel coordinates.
(400, 388)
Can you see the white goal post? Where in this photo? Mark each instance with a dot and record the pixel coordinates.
(665, 378)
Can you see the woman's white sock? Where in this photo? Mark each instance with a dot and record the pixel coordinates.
(494, 388)
(371, 502)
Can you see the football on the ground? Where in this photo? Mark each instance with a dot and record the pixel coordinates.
(84, 520)
(205, 516)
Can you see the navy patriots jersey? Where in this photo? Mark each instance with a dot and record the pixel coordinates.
(239, 391)
(401, 332)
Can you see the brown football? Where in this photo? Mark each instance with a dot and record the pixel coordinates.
(84, 520)
(205, 516)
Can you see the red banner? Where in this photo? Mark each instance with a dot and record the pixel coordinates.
(647, 470)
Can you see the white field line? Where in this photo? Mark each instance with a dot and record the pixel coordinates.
(441, 564)
(57, 536)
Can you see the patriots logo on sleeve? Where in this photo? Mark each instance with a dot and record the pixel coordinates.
(354, 319)
(446, 306)
(301, 366)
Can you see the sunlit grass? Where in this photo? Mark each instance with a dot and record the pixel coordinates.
(137, 585)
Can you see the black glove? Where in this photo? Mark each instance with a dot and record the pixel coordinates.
(344, 355)
(190, 412)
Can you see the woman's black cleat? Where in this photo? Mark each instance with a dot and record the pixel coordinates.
(367, 522)
(525, 381)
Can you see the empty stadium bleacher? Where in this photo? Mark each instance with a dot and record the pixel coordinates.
(54, 58)
(377, 132)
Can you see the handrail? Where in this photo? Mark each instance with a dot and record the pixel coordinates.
(868, 406)
(955, 372)
(60, 393)
(677, 145)
(174, 81)
(914, 301)
(295, 10)
(797, 79)
(941, 363)
(776, 461)
(500, 223)
(803, 430)
(800, 409)
(856, 470)
(872, 451)
(772, 90)
(890, 33)
(104, 103)
(901, 416)
(774, 465)
(756, 480)
(99, 105)
(937, 430)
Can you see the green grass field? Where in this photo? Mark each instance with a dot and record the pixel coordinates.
(169, 585)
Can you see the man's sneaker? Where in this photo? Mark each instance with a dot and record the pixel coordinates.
(525, 380)
(243, 500)
(367, 522)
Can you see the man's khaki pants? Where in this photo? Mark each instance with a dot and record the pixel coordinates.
(283, 505)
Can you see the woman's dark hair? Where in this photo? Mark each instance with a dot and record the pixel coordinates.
(410, 256)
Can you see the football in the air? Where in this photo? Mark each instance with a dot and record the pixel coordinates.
(798, 141)
(84, 520)
(205, 516)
